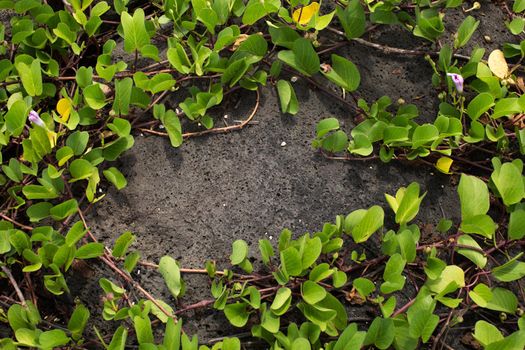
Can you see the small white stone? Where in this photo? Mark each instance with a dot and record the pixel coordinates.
(141, 134)
(224, 204)
(161, 126)
(226, 116)
(138, 272)
(271, 237)
(177, 110)
(442, 186)
(283, 144)
(293, 79)
(371, 168)
(431, 173)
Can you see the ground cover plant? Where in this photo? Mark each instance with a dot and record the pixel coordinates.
(80, 79)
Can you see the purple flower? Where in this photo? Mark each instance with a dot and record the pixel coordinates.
(35, 119)
(458, 81)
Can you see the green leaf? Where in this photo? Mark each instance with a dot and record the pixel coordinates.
(380, 333)
(312, 293)
(311, 252)
(266, 249)
(134, 28)
(486, 334)
(31, 76)
(336, 142)
(394, 281)
(371, 221)
(81, 169)
(326, 125)
(302, 57)
(481, 294)
(114, 176)
(352, 19)
(409, 204)
(122, 244)
(479, 105)
(282, 301)
(350, 339)
(424, 135)
(118, 341)
(234, 72)
(170, 271)
(474, 196)
(77, 141)
(339, 279)
(38, 211)
(364, 286)
(516, 26)
(481, 224)
(90, 251)
(517, 224)
(343, 73)
(239, 252)
(16, 117)
(287, 97)
(237, 314)
(291, 261)
(507, 107)
(452, 277)
(422, 322)
(172, 335)
(84, 76)
(94, 96)
(53, 339)
(63, 210)
(143, 329)
(78, 321)
(473, 255)
(75, 233)
(503, 300)
(512, 270)
(509, 183)
(122, 99)
(465, 31)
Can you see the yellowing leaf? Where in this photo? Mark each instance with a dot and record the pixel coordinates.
(304, 14)
(64, 109)
(52, 136)
(498, 64)
(443, 164)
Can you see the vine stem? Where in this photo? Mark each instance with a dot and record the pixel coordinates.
(106, 258)
(7, 271)
(25, 227)
(214, 130)
(394, 50)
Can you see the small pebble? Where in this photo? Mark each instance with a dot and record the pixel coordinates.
(431, 173)
(293, 79)
(283, 144)
(226, 116)
(271, 237)
(224, 204)
(161, 126)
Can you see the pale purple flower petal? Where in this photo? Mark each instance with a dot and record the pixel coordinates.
(458, 81)
(35, 119)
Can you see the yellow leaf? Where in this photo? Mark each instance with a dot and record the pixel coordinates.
(304, 14)
(52, 136)
(443, 164)
(498, 64)
(64, 109)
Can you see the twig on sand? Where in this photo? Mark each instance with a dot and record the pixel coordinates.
(394, 50)
(9, 275)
